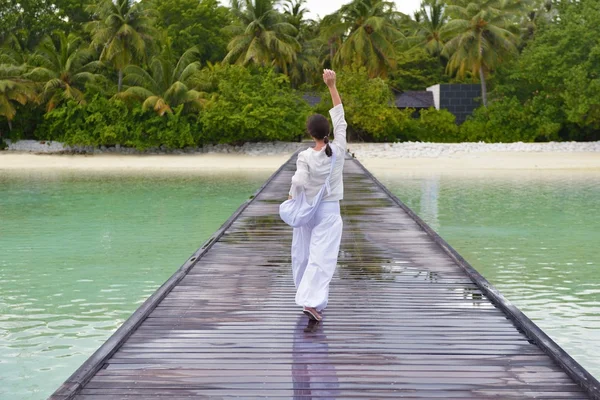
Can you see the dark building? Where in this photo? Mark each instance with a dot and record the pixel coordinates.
(460, 99)
(414, 99)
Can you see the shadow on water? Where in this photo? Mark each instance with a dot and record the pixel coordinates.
(312, 373)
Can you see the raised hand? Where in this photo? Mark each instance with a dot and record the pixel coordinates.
(329, 78)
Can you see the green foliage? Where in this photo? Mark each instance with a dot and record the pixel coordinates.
(174, 130)
(417, 70)
(479, 37)
(550, 90)
(372, 38)
(14, 89)
(437, 126)
(251, 106)
(168, 84)
(63, 67)
(24, 125)
(261, 36)
(429, 21)
(554, 86)
(507, 120)
(29, 20)
(111, 122)
(122, 32)
(194, 23)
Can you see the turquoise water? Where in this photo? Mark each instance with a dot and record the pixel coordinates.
(78, 254)
(534, 235)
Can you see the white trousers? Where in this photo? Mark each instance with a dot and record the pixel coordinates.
(315, 249)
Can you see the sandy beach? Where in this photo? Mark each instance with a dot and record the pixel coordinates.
(471, 162)
(136, 163)
(490, 161)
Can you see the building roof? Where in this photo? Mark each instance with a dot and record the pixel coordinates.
(311, 98)
(415, 99)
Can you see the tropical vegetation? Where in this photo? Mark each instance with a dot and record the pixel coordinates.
(181, 73)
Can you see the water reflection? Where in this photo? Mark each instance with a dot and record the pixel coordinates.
(312, 373)
(430, 191)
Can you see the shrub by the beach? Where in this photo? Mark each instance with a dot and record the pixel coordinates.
(437, 126)
(251, 105)
(507, 120)
(99, 122)
(174, 130)
(104, 122)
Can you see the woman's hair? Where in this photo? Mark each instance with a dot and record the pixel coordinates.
(318, 127)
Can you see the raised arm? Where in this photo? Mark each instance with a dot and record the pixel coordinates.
(330, 78)
(337, 112)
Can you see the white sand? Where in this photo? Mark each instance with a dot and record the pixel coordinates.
(491, 161)
(219, 162)
(133, 163)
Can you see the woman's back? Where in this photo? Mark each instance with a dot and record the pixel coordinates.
(313, 165)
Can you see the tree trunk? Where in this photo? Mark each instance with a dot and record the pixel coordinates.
(483, 86)
(120, 80)
(10, 125)
(331, 52)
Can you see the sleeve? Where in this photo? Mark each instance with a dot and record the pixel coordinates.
(339, 126)
(300, 178)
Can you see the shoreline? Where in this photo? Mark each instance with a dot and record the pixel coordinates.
(209, 163)
(388, 157)
(492, 161)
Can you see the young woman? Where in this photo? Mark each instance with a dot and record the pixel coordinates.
(315, 246)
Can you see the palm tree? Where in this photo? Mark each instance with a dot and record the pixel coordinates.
(122, 31)
(11, 50)
(372, 36)
(63, 68)
(332, 29)
(430, 19)
(168, 85)
(479, 36)
(306, 65)
(294, 12)
(13, 89)
(261, 36)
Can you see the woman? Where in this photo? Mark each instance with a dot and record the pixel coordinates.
(315, 246)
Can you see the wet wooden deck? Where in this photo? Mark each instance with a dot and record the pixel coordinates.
(407, 318)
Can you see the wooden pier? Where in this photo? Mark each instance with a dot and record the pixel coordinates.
(407, 318)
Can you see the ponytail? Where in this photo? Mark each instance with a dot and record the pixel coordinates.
(327, 147)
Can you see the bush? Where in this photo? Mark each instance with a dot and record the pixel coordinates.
(437, 126)
(507, 120)
(109, 122)
(252, 106)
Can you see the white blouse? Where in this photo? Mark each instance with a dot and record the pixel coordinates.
(313, 166)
